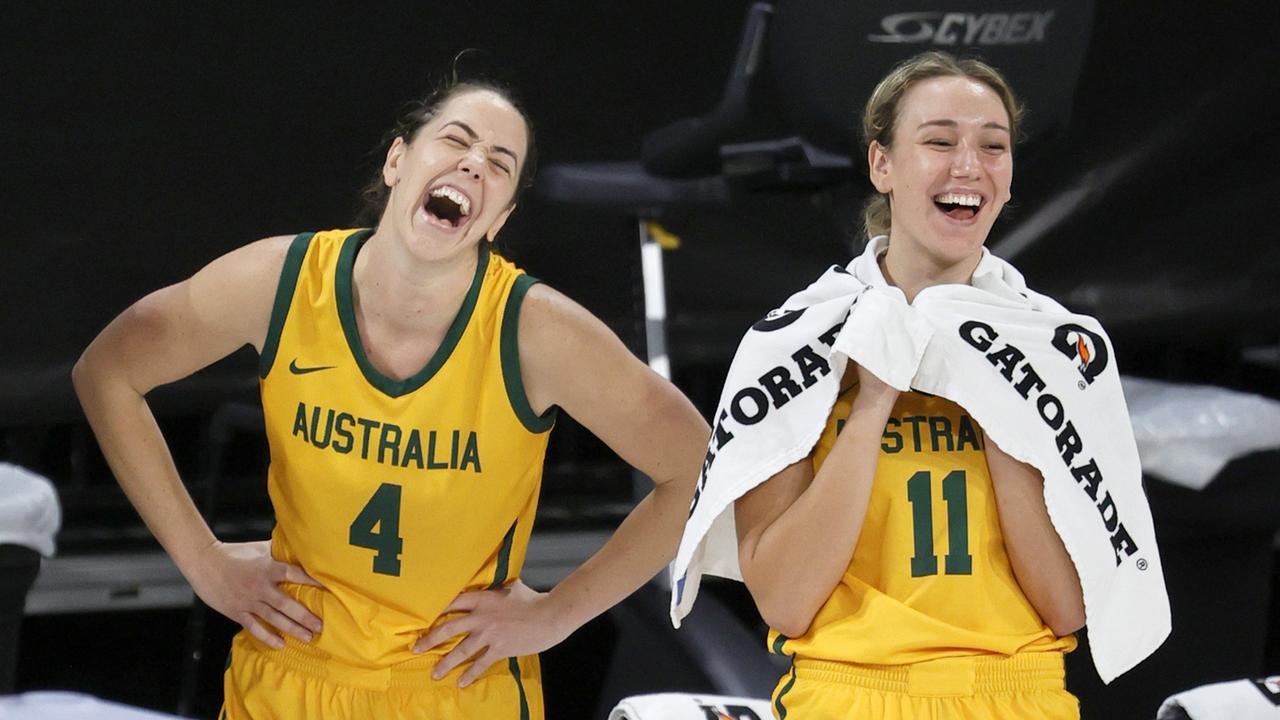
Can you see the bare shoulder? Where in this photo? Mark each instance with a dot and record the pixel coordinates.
(556, 328)
(258, 261)
(568, 356)
(176, 330)
(545, 307)
(236, 291)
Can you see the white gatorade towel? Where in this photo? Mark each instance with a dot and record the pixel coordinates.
(686, 706)
(1041, 381)
(1234, 700)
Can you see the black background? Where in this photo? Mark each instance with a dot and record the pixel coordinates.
(142, 140)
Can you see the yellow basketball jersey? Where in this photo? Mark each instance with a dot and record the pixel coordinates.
(929, 577)
(395, 494)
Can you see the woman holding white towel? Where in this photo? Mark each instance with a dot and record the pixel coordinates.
(908, 565)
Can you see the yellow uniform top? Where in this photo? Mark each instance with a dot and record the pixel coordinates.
(929, 577)
(395, 494)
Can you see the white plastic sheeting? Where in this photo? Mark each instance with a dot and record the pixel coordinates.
(47, 705)
(1187, 433)
(29, 511)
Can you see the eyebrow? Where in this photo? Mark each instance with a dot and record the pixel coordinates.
(953, 124)
(474, 136)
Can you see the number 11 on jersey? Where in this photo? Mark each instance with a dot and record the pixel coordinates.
(955, 495)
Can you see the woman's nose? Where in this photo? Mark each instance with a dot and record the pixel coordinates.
(472, 163)
(964, 164)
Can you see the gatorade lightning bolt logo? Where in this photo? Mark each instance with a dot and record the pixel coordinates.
(1087, 348)
(776, 320)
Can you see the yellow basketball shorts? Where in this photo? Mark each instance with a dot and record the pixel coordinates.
(996, 688)
(299, 682)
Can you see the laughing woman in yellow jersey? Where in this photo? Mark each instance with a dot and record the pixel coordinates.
(908, 565)
(409, 378)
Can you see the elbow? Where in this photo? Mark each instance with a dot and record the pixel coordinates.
(785, 617)
(782, 611)
(1066, 616)
(791, 624)
(89, 377)
(81, 375)
(782, 604)
(1067, 622)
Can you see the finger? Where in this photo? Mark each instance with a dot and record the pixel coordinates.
(280, 622)
(462, 626)
(258, 630)
(465, 651)
(295, 574)
(295, 611)
(466, 602)
(478, 667)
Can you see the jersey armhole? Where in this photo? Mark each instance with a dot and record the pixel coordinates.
(510, 351)
(284, 298)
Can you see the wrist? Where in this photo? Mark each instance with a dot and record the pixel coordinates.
(201, 562)
(561, 614)
(881, 398)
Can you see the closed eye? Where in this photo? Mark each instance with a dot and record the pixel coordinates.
(501, 166)
(938, 142)
(456, 141)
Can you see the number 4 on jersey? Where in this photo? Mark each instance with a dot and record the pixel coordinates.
(377, 527)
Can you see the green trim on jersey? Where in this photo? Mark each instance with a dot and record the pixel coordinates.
(504, 558)
(777, 644)
(346, 314)
(500, 577)
(514, 666)
(284, 298)
(511, 360)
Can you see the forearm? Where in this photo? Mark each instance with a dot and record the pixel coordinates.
(571, 360)
(643, 544)
(1040, 561)
(136, 452)
(168, 335)
(824, 524)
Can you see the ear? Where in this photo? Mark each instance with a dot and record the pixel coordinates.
(880, 167)
(498, 222)
(391, 167)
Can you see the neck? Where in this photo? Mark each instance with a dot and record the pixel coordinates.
(393, 286)
(912, 272)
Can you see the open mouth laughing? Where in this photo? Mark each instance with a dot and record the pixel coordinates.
(447, 206)
(958, 205)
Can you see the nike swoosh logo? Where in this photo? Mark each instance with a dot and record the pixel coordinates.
(293, 368)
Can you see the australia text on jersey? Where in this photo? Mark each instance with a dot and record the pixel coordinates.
(386, 443)
(927, 433)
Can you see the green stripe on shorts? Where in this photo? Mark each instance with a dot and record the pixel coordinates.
(514, 666)
(778, 707)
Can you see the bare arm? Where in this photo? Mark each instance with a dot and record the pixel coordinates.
(820, 513)
(571, 359)
(164, 337)
(1039, 559)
